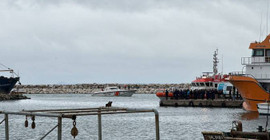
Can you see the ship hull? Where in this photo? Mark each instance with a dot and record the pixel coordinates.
(250, 90)
(6, 84)
(264, 108)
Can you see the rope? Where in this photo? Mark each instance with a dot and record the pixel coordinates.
(2, 121)
(266, 125)
(49, 132)
(4, 66)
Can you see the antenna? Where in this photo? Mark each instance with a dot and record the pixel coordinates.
(267, 17)
(215, 62)
(222, 64)
(260, 28)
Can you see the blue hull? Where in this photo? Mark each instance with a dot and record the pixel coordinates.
(7, 84)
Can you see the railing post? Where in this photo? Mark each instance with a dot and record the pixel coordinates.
(99, 125)
(157, 127)
(157, 124)
(6, 127)
(59, 128)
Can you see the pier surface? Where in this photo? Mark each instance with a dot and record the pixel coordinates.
(202, 103)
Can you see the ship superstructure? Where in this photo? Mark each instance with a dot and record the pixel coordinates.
(212, 80)
(258, 65)
(254, 83)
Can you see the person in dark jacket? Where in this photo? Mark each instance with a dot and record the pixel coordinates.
(167, 94)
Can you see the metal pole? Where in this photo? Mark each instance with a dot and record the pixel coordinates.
(157, 124)
(99, 125)
(6, 127)
(59, 128)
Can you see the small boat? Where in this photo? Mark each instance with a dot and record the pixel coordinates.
(114, 91)
(237, 133)
(263, 108)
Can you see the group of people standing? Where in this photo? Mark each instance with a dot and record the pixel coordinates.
(200, 94)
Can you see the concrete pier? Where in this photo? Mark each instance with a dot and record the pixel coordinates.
(202, 103)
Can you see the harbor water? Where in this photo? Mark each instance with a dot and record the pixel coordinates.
(176, 123)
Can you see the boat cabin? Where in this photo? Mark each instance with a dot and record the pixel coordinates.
(218, 82)
(260, 51)
(258, 65)
(114, 88)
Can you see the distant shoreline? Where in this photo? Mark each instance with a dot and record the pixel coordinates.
(91, 88)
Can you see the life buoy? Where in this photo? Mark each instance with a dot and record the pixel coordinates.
(116, 93)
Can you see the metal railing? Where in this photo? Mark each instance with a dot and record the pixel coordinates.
(237, 73)
(262, 76)
(255, 60)
(72, 113)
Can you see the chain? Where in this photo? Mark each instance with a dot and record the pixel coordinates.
(74, 131)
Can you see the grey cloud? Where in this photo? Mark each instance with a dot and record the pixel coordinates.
(124, 41)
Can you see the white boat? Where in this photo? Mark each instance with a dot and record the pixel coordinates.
(263, 108)
(114, 91)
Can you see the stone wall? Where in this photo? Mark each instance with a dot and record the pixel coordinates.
(90, 88)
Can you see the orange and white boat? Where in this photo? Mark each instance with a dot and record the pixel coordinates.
(208, 81)
(254, 84)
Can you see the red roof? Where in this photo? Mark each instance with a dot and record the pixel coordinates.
(215, 78)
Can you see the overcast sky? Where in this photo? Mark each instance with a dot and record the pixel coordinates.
(126, 41)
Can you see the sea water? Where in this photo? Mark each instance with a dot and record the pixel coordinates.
(176, 123)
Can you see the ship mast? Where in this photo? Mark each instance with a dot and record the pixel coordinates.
(215, 62)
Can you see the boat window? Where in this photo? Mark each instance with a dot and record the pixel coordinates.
(207, 84)
(267, 52)
(201, 84)
(229, 88)
(211, 84)
(216, 85)
(258, 52)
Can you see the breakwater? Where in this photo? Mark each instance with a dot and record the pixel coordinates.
(91, 88)
(4, 97)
